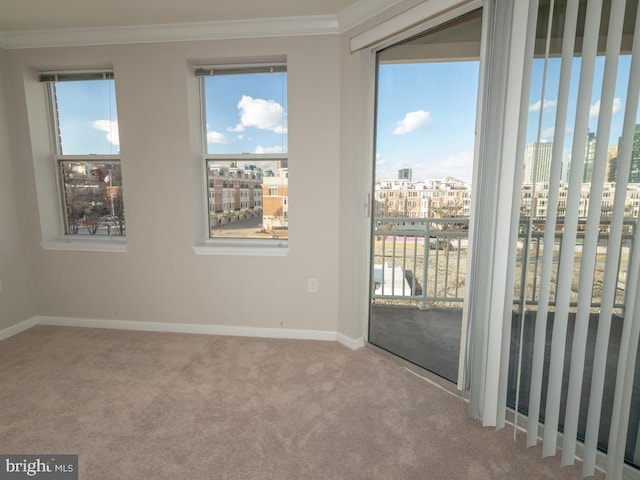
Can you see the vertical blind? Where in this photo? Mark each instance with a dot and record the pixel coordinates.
(582, 46)
(560, 347)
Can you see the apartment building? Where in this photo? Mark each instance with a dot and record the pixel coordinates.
(443, 198)
(275, 194)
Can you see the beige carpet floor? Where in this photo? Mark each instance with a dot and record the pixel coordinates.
(139, 405)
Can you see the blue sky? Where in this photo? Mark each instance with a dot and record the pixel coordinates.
(551, 97)
(246, 113)
(88, 117)
(426, 114)
(426, 119)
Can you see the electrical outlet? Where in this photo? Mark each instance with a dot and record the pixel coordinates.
(312, 285)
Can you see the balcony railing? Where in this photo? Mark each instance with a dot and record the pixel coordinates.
(423, 261)
(420, 259)
(533, 256)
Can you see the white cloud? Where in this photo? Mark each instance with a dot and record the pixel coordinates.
(617, 105)
(413, 121)
(547, 135)
(458, 165)
(261, 114)
(594, 111)
(548, 105)
(216, 137)
(110, 128)
(261, 149)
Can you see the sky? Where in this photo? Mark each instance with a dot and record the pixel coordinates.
(246, 113)
(427, 111)
(425, 119)
(547, 129)
(88, 117)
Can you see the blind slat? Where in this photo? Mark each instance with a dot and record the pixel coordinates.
(510, 148)
(515, 214)
(626, 360)
(567, 250)
(590, 242)
(610, 279)
(626, 370)
(535, 393)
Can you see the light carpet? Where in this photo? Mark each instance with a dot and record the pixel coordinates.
(140, 405)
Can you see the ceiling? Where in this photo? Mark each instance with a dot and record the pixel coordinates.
(30, 15)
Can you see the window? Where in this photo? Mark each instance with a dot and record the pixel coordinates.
(244, 125)
(84, 131)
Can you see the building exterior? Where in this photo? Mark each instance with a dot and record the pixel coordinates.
(537, 162)
(612, 164)
(589, 159)
(634, 174)
(534, 199)
(405, 174)
(444, 198)
(235, 193)
(275, 194)
(450, 198)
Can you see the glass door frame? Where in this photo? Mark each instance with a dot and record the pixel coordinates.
(442, 17)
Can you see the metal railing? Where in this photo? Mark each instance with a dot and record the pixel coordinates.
(527, 291)
(424, 260)
(420, 259)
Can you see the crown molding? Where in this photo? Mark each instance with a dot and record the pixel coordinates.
(362, 11)
(231, 29)
(352, 16)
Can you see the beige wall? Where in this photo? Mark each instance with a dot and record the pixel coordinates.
(160, 278)
(17, 299)
(355, 183)
(356, 174)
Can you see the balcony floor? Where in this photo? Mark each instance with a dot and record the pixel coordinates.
(428, 338)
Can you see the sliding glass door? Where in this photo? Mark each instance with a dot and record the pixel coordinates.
(427, 88)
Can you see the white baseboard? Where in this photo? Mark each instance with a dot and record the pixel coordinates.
(238, 331)
(17, 328)
(352, 343)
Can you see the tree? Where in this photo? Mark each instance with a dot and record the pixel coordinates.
(450, 210)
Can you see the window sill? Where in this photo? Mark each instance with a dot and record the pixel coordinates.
(237, 248)
(86, 245)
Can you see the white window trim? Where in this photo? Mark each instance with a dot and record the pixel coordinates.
(236, 246)
(231, 246)
(63, 241)
(83, 243)
(242, 247)
(86, 245)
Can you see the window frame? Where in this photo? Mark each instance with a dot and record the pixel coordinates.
(49, 79)
(234, 245)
